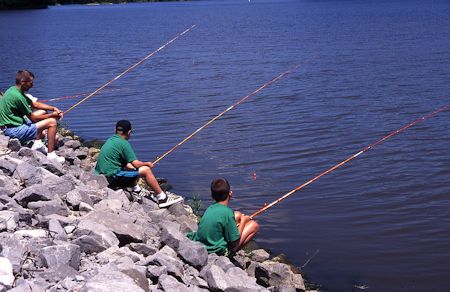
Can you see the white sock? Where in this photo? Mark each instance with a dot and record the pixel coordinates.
(161, 196)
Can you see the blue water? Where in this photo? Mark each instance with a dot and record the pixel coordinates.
(381, 221)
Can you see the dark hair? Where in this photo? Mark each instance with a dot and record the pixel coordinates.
(220, 189)
(23, 75)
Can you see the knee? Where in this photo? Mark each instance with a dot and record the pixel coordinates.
(144, 170)
(254, 226)
(237, 216)
(51, 122)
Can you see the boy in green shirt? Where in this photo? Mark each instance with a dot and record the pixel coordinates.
(220, 229)
(118, 163)
(16, 103)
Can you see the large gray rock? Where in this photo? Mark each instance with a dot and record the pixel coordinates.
(73, 144)
(119, 195)
(124, 228)
(235, 279)
(33, 154)
(138, 278)
(99, 232)
(76, 196)
(31, 233)
(270, 273)
(170, 284)
(216, 278)
(115, 253)
(10, 220)
(6, 272)
(52, 166)
(171, 235)
(259, 255)
(58, 273)
(8, 186)
(142, 248)
(89, 244)
(33, 193)
(13, 249)
(28, 174)
(56, 184)
(46, 208)
(193, 253)
(14, 144)
(56, 231)
(95, 181)
(107, 281)
(173, 265)
(67, 254)
(7, 166)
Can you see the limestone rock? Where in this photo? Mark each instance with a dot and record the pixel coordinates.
(193, 253)
(6, 272)
(10, 220)
(107, 281)
(56, 255)
(32, 194)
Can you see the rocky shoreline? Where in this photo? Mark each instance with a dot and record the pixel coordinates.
(63, 229)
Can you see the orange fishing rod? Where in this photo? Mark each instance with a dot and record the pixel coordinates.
(230, 108)
(127, 70)
(404, 128)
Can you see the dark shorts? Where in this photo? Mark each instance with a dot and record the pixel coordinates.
(123, 179)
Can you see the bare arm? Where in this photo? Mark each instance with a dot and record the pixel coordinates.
(57, 114)
(243, 220)
(138, 163)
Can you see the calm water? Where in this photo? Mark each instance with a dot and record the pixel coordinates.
(381, 221)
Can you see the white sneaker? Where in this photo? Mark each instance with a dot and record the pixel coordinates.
(39, 146)
(136, 189)
(169, 200)
(53, 156)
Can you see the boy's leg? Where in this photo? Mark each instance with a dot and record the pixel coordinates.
(247, 231)
(49, 124)
(150, 179)
(250, 230)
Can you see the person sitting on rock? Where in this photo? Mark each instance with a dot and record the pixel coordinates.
(221, 230)
(15, 105)
(118, 163)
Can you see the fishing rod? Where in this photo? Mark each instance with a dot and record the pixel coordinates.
(231, 107)
(74, 96)
(127, 70)
(404, 128)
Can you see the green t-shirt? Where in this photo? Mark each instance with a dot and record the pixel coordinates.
(217, 229)
(13, 107)
(114, 155)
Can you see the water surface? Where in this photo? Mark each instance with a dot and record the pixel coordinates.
(381, 221)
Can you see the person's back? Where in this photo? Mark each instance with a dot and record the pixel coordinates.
(217, 229)
(114, 155)
(13, 106)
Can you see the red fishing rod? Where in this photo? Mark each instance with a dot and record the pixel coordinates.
(231, 107)
(404, 128)
(128, 69)
(74, 96)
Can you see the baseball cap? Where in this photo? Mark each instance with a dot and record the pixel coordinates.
(123, 125)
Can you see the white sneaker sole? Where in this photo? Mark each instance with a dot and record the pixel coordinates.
(171, 202)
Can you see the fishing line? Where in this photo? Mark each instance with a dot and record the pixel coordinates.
(231, 107)
(75, 95)
(404, 128)
(127, 70)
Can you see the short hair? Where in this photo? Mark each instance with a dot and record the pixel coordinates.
(23, 75)
(220, 189)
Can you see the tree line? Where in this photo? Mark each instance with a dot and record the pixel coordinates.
(27, 4)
